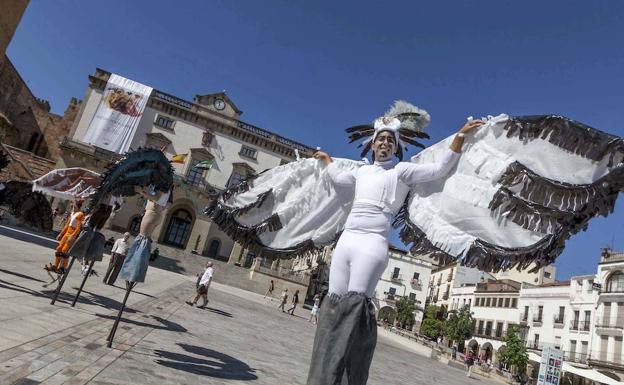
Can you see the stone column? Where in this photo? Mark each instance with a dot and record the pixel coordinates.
(236, 253)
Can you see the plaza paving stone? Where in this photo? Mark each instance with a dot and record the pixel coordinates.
(239, 338)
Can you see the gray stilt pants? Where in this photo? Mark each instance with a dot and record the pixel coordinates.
(345, 341)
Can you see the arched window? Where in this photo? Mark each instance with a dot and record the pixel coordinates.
(213, 249)
(616, 282)
(179, 228)
(34, 137)
(135, 225)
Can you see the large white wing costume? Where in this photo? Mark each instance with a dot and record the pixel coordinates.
(521, 188)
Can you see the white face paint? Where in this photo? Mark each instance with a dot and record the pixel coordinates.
(384, 146)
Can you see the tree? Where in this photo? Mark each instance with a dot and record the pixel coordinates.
(405, 309)
(431, 325)
(515, 354)
(459, 325)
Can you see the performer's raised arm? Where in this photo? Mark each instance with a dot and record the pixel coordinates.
(411, 173)
(338, 176)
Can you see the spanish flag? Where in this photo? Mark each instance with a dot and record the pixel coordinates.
(179, 158)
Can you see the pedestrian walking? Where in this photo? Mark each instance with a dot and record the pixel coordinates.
(283, 299)
(155, 254)
(203, 285)
(118, 255)
(315, 309)
(270, 289)
(469, 360)
(295, 302)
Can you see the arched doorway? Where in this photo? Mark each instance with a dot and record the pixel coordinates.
(473, 345)
(179, 228)
(213, 249)
(486, 352)
(387, 314)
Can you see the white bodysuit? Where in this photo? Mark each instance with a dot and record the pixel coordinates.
(361, 254)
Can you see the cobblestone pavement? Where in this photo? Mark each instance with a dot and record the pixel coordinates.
(240, 338)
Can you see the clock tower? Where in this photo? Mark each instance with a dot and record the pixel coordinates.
(220, 103)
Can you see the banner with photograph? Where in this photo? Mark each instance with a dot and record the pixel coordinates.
(118, 114)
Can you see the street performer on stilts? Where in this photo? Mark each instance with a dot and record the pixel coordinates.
(505, 195)
(66, 238)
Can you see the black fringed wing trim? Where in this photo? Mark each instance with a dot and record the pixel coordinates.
(531, 216)
(597, 197)
(486, 256)
(567, 134)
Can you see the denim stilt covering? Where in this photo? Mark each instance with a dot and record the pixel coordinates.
(135, 265)
(89, 245)
(345, 341)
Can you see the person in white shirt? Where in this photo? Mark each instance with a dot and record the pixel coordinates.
(118, 255)
(202, 286)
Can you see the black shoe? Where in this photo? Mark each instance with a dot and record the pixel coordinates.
(60, 271)
(189, 303)
(50, 268)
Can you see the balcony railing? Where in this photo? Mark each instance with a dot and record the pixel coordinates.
(524, 318)
(574, 356)
(537, 320)
(611, 323)
(416, 284)
(445, 296)
(449, 278)
(558, 319)
(535, 345)
(602, 359)
(579, 325)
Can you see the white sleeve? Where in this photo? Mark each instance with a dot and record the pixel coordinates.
(412, 173)
(115, 246)
(341, 176)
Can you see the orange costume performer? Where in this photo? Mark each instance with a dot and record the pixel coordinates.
(67, 237)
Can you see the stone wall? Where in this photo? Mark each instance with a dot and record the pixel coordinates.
(26, 122)
(10, 16)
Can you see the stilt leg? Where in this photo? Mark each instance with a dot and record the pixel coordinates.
(62, 281)
(83, 283)
(111, 335)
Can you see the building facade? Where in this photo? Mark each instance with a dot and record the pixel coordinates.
(606, 348)
(444, 279)
(404, 276)
(495, 310)
(12, 12)
(205, 129)
(583, 317)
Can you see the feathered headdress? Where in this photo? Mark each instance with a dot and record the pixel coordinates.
(403, 119)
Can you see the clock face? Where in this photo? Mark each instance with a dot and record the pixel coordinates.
(219, 104)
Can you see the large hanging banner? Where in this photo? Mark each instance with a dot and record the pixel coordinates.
(118, 114)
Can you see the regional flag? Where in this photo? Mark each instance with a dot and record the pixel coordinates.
(204, 164)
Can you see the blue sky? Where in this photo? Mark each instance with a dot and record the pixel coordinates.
(307, 70)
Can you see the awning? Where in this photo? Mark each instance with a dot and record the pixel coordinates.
(590, 374)
(68, 183)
